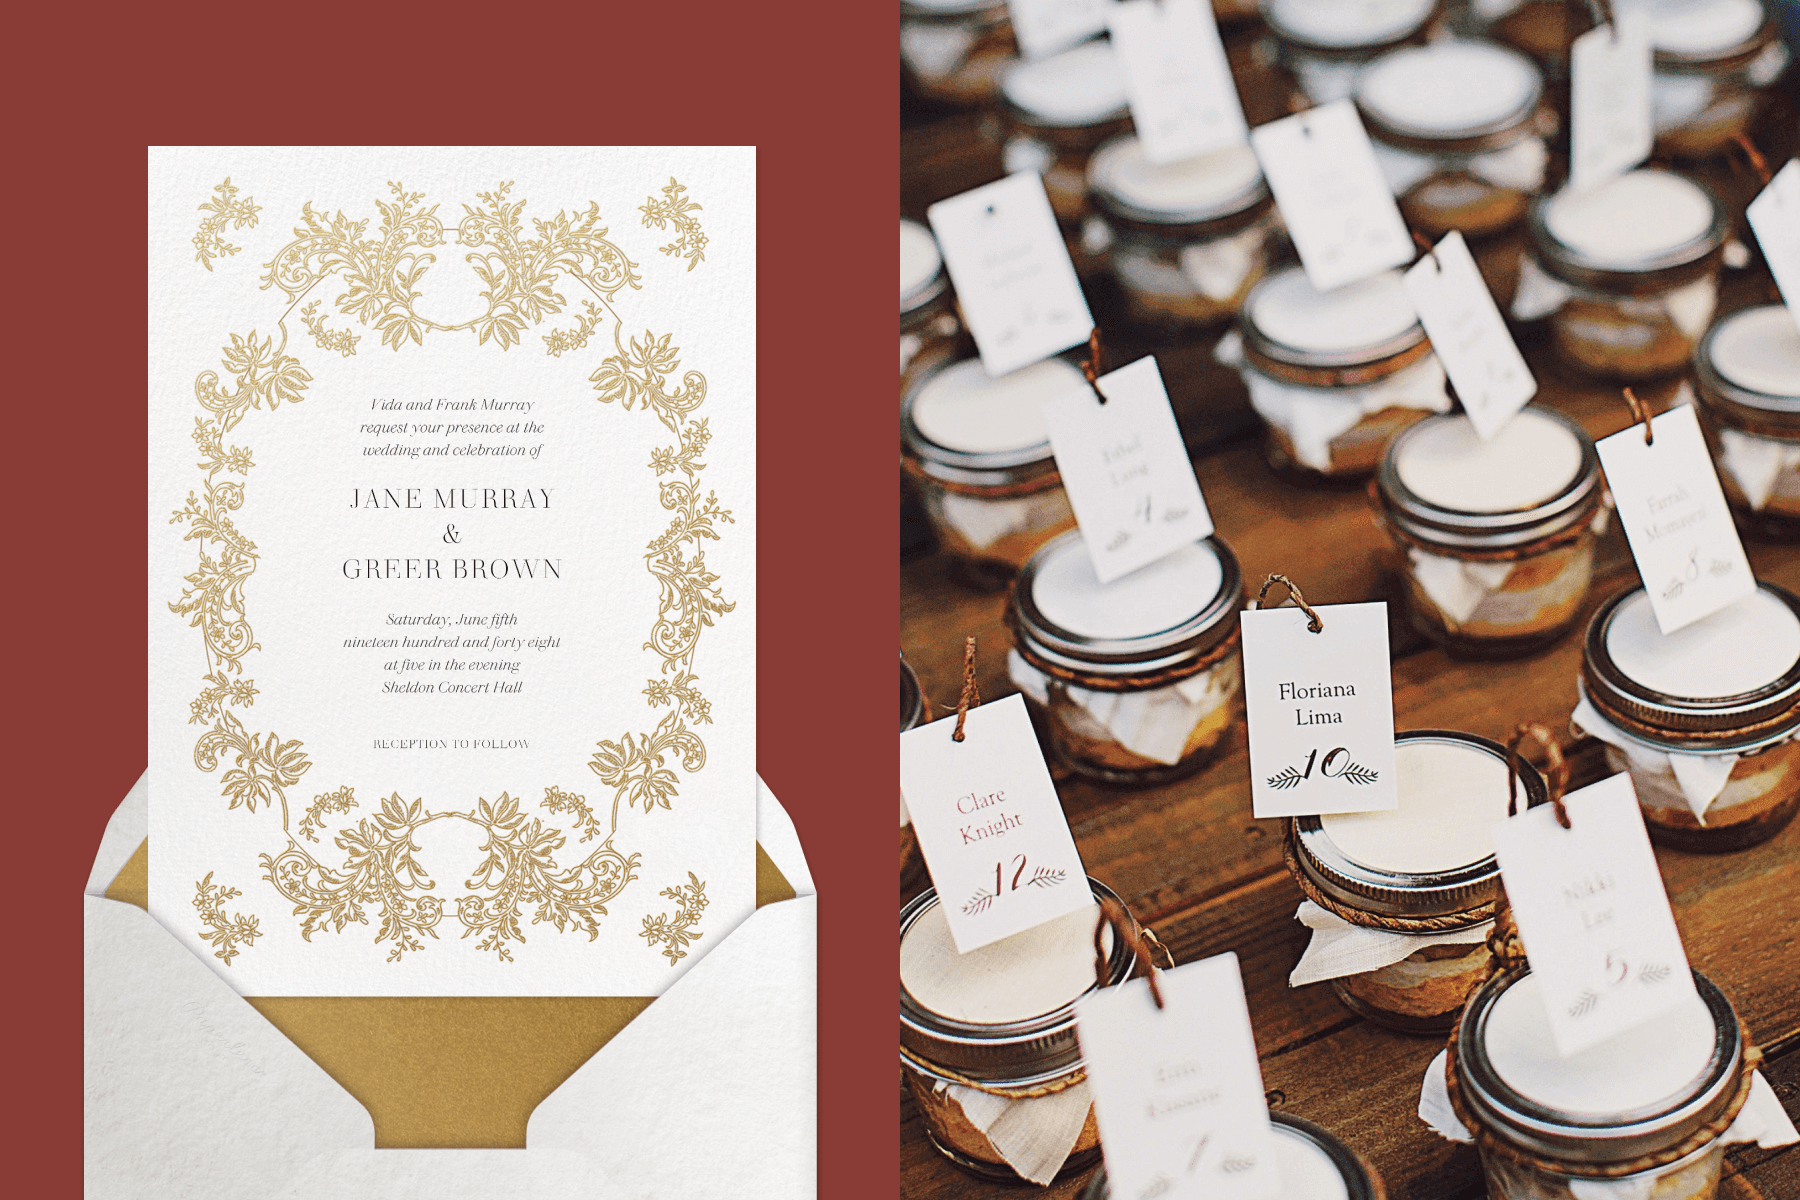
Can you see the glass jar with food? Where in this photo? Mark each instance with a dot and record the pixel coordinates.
(1711, 59)
(928, 321)
(914, 712)
(955, 51)
(1311, 1163)
(1748, 367)
(1324, 43)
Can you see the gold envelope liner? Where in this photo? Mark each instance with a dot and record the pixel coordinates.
(447, 1072)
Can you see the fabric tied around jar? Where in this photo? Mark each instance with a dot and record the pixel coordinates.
(935, 50)
(1460, 588)
(1314, 417)
(1690, 307)
(1339, 948)
(1756, 464)
(1662, 779)
(1035, 1135)
(983, 521)
(1519, 167)
(1762, 1120)
(1153, 724)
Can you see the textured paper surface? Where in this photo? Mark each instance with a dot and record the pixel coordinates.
(616, 763)
(1127, 471)
(1774, 217)
(1183, 99)
(1469, 335)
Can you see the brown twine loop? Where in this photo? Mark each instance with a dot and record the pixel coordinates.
(1603, 15)
(1060, 1084)
(971, 695)
(1290, 853)
(1313, 622)
(1557, 776)
(1640, 414)
(1090, 366)
(1143, 944)
(1754, 157)
(1426, 249)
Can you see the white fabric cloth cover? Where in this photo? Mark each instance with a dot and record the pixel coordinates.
(1662, 779)
(1154, 724)
(1756, 463)
(1312, 417)
(1339, 948)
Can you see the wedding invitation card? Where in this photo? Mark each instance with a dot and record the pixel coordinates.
(451, 565)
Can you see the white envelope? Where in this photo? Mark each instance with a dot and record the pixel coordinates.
(710, 1091)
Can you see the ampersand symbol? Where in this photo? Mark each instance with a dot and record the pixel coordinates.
(450, 534)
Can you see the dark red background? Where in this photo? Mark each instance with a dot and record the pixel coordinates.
(811, 84)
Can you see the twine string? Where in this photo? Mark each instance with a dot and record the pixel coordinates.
(1090, 366)
(1143, 945)
(1754, 157)
(971, 694)
(1640, 414)
(1556, 775)
(1427, 250)
(1313, 622)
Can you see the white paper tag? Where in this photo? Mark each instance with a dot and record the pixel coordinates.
(1046, 26)
(1017, 288)
(1320, 710)
(1593, 914)
(1127, 470)
(1609, 107)
(1178, 1094)
(1183, 99)
(1469, 335)
(990, 824)
(1775, 219)
(1331, 193)
(1675, 519)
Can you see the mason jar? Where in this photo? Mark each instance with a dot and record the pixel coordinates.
(928, 321)
(991, 1033)
(955, 51)
(1640, 1096)
(1711, 59)
(1324, 43)
(1497, 535)
(1058, 111)
(1425, 869)
(1134, 682)
(1704, 718)
(1748, 369)
(978, 451)
(913, 713)
(1188, 239)
(1634, 266)
(1334, 375)
(1312, 1164)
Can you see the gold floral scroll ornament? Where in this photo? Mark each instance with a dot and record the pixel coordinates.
(222, 211)
(677, 211)
(380, 869)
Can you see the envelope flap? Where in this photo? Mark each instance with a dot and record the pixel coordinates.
(777, 838)
(125, 833)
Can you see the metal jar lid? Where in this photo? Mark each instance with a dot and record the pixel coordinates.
(1096, 59)
(944, 10)
(1454, 528)
(1263, 351)
(1182, 221)
(1720, 59)
(1713, 382)
(1013, 1053)
(1403, 893)
(1359, 1180)
(1661, 271)
(936, 284)
(1587, 1137)
(1212, 621)
(974, 468)
(1495, 133)
(912, 698)
(1272, 16)
(1673, 721)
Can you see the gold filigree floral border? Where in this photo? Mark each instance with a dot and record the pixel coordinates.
(677, 210)
(380, 274)
(222, 210)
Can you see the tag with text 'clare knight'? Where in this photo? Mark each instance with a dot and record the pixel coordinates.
(1320, 707)
(1046, 26)
(990, 824)
(1610, 130)
(1126, 470)
(1675, 518)
(1469, 335)
(1183, 99)
(1178, 1094)
(1014, 281)
(1775, 219)
(1593, 914)
(1336, 203)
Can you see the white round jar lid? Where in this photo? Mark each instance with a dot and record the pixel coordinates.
(1634, 217)
(1285, 308)
(1015, 979)
(964, 408)
(1194, 189)
(1448, 89)
(1345, 24)
(1082, 86)
(1307, 1171)
(1633, 1070)
(1451, 795)
(1158, 597)
(1747, 645)
(920, 260)
(1696, 28)
(1758, 349)
(1529, 460)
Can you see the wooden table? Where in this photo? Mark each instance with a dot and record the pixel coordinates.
(1191, 861)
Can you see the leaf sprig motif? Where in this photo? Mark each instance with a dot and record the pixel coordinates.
(223, 210)
(676, 209)
(676, 933)
(226, 934)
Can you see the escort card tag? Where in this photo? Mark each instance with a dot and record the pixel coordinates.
(1046, 26)
(1593, 914)
(1127, 470)
(1775, 218)
(1178, 1094)
(1609, 100)
(1015, 283)
(1675, 519)
(990, 825)
(1320, 707)
(1469, 335)
(1183, 100)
